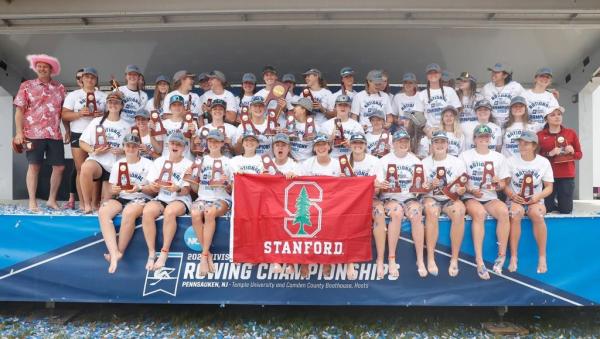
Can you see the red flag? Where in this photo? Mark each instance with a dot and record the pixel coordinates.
(304, 220)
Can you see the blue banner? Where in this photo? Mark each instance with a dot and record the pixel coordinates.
(50, 258)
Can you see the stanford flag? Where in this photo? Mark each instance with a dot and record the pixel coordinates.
(304, 220)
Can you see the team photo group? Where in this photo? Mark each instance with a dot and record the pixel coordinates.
(441, 146)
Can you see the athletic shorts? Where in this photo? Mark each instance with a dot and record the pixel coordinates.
(75, 139)
(53, 150)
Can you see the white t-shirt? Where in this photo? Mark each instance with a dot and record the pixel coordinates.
(146, 141)
(456, 145)
(474, 163)
(423, 148)
(539, 168)
(264, 142)
(435, 103)
(349, 126)
(373, 140)
(150, 106)
(137, 177)
(299, 148)
(228, 97)
(244, 165)
(537, 105)
(405, 167)
(468, 105)
(453, 168)
(115, 132)
(496, 139)
(500, 98)
(290, 166)
(244, 102)
(132, 102)
(230, 132)
(311, 167)
(179, 169)
(333, 97)
(76, 100)
(364, 103)
(322, 96)
(403, 103)
(289, 97)
(369, 166)
(171, 127)
(195, 108)
(510, 141)
(214, 193)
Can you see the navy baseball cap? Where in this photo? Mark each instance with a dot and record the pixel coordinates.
(89, 70)
(161, 78)
(179, 75)
(343, 99)
(203, 76)
(312, 71)
(218, 102)
(409, 77)
(400, 133)
(376, 113)
(218, 75)
(450, 108)
(269, 69)
(466, 76)
(249, 77)
(132, 69)
(375, 76)
(321, 137)
(176, 98)
(215, 134)
(249, 134)
(346, 71)
(304, 102)
(257, 100)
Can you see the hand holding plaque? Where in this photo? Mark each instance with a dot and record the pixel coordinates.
(345, 166)
(124, 180)
(199, 142)
(487, 180)
(383, 145)
(279, 91)
(271, 123)
(306, 93)
(101, 140)
(92, 106)
(158, 129)
(290, 125)
(418, 180)
(247, 124)
(166, 174)
(391, 176)
(192, 175)
(269, 166)
(460, 181)
(188, 119)
(339, 138)
(310, 130)
(527, 187)
(561, 142)
(217, 177)
(440, 175)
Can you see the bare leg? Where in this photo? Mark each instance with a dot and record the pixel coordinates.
(432, 215)
(516, 215)
(105, 217)
(172, 211)
(456, 212)
(379, 232)
(499, 211)
(151, 211)
(33, 172)
(394, 210)
(55, 179)
(540, 232)
(414, 213)
(89, 171)
(130, 213)
(477, 213)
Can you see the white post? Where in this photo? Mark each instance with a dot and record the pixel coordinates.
(589, 122)
(6, 152)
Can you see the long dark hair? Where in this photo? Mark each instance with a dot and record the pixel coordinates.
(159, 98)
(429, 92)
(241, 96)
(105, 115)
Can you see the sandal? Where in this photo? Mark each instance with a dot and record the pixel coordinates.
(499, 263)
(482, 272)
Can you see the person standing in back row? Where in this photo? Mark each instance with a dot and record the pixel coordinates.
(134, 97)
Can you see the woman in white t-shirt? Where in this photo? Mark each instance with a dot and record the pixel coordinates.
(248, 90)
(487, 172)
(161, 89)
(403, 204)
(435, 97)
(130, 200)
(531, 180)
(301, 140)
(175, 123)
(483, 110)
(172, 199)
(134, 96)
(79, 117)
(500, 91)
(349, 126)
(218, 83)
(257, 121)
(316, 89)
(518, 121)
(218, 108)
(150, 147)
(364, 164)
(441, 170)
(214, 198)
(370, 99)
(374, 146)
(346, 87)
(248, 162)
(407, 100)
(102, 140)
(468, 96)
(450, 124)
(539, 98)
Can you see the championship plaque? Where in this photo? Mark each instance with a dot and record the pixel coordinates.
(124, 181)
(271, 123)
(217, 177)
(488, 175)
(198, 146)
(527, 187)
(461, 181)
(27, 146)
(269, 166)
(188, 118)
(309, 129)
(193, 175)
(418, 180)
(345, 166)
(290, 125)
(91, 105)
(306, 93)
(101, 140)
(166, 174)
(338, 131)
(391, 176)
(561, 142)
(383, 145)
(440, 174)
(279, 91)
(158, 129)
(135, 131)
(247, 124)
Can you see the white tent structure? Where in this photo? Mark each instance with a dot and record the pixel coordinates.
(242, 36)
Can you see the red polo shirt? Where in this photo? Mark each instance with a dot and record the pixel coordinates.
(547, 142)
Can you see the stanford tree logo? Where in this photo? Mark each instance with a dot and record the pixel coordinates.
(303, 211)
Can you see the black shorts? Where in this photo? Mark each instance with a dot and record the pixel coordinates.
(104, 176)
(75, 139)
(124, 202)
(53, 150)
(481, 202)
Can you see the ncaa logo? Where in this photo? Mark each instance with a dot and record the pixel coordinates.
(302, 209)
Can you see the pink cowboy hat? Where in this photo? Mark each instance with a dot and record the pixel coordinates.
(52, 61)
